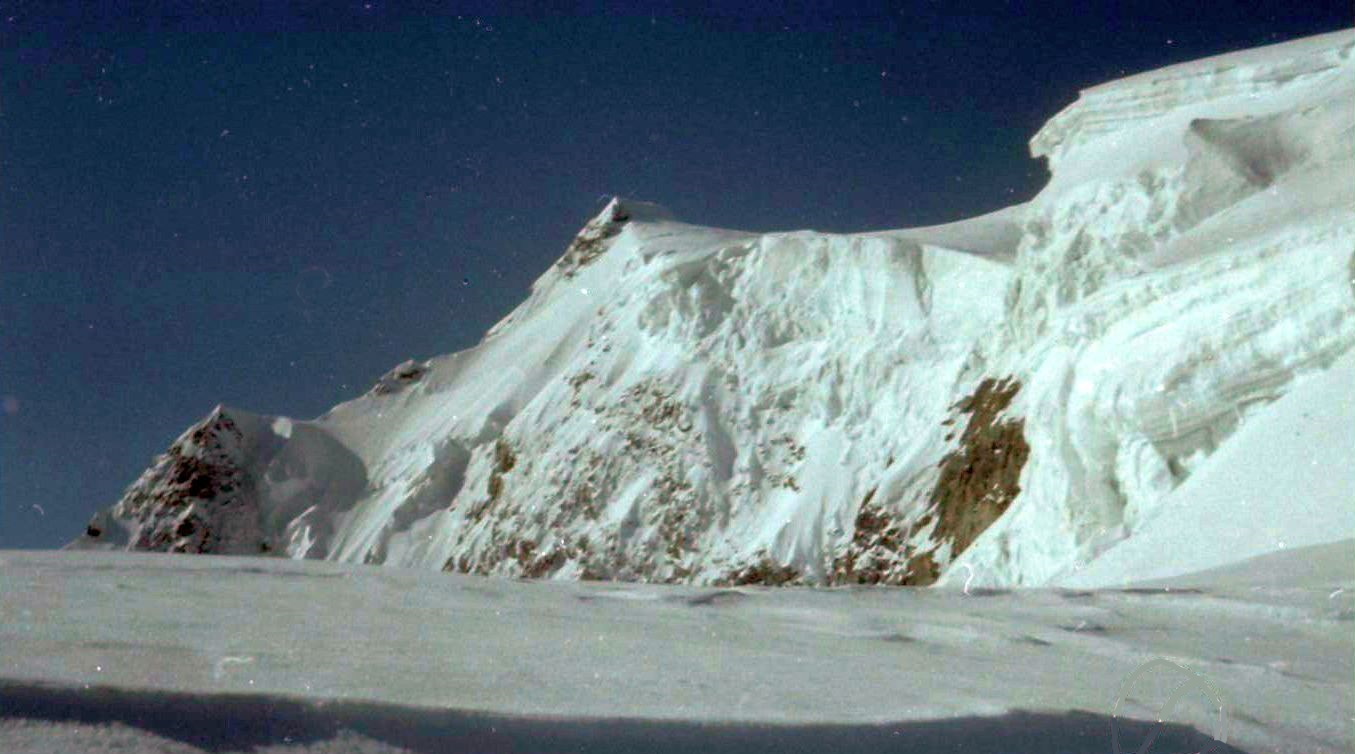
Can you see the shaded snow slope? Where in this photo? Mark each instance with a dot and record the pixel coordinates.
(996, 400)
(940, 667)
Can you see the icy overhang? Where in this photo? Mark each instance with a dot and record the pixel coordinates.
(1123, 104)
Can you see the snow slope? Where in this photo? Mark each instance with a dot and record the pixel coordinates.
(997, 400)
(233, 653)
(1285, 480)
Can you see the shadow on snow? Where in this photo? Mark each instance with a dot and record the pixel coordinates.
(234, 723)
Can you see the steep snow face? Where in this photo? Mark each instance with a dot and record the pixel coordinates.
(995, 400)
(1191, 255)
(691, 404)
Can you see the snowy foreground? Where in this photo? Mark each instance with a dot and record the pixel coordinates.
(226, 654)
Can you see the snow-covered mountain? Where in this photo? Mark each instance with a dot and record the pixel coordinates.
(997, 400)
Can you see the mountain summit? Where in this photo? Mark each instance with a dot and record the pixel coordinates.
(997, 400)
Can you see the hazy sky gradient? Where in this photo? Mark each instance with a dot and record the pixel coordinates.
(269, 209)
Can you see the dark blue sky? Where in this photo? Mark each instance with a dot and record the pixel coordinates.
(270, 208)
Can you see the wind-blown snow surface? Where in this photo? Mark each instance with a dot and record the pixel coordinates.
(231, 653)
(998, 400)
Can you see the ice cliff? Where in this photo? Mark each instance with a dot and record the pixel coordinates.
(996, 400)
